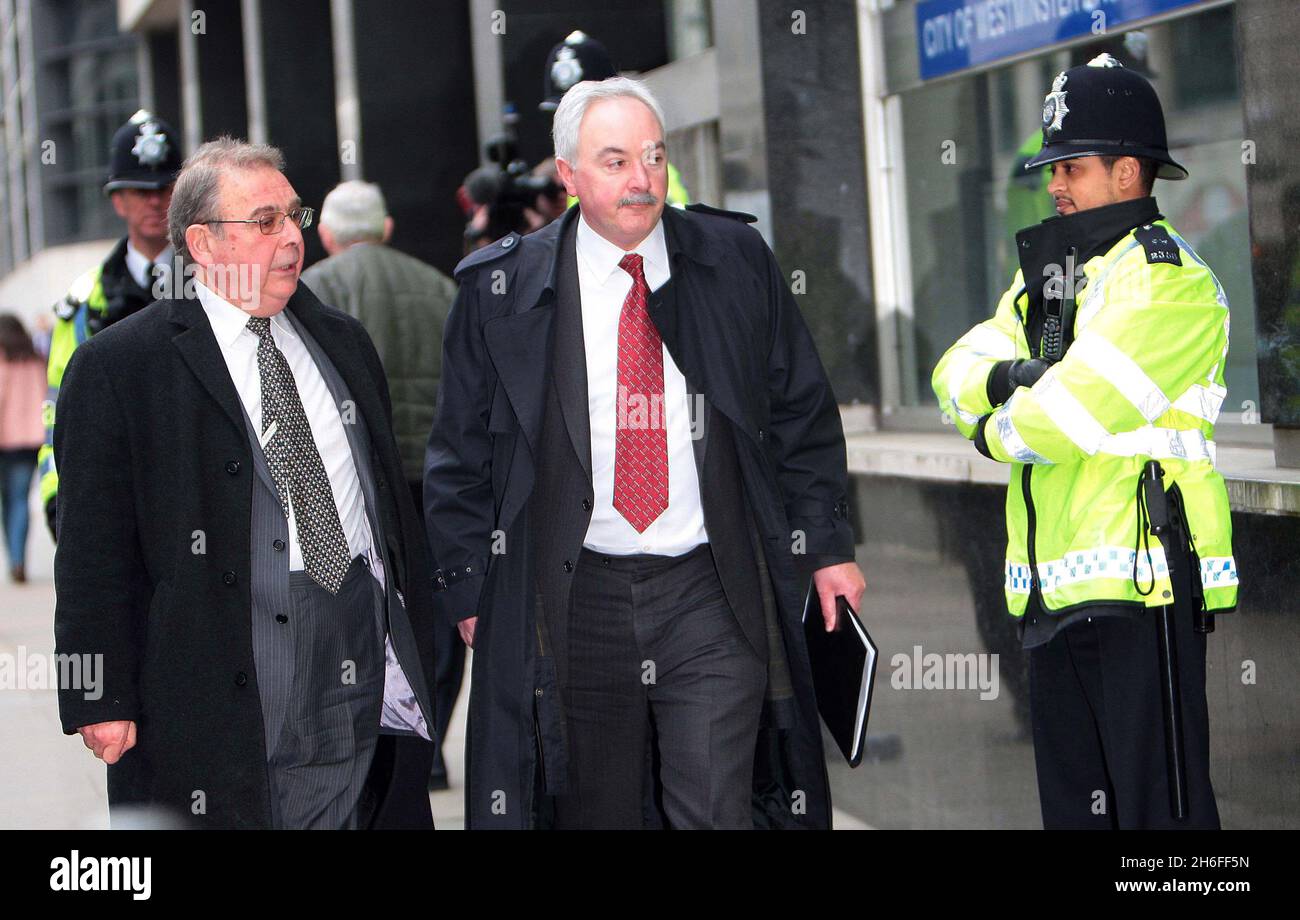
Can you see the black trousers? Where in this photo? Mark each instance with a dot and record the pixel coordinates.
(1098, 725)
(656, 658)
(396, 795)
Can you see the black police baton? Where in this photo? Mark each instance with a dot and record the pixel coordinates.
(1157, 503)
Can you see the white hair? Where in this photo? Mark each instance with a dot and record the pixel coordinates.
(354, 211)
(568, 117)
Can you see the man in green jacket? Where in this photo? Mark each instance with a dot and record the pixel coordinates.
(403, 303)
(1106, 353)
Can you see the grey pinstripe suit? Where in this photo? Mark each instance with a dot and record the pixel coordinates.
(320, 731)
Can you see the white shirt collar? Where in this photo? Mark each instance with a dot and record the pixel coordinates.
(137, 263)
(602, 257)
(228, 320)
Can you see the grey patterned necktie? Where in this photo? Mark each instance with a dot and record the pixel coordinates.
(296, 465)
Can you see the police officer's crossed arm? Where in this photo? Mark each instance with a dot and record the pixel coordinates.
(1118, 376)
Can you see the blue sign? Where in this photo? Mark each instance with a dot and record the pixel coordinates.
(952, 35)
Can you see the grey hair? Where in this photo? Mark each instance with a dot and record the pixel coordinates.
(354, 211)
(574, 105)
(194, 197)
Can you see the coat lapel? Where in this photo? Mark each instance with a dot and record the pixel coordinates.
(571, 353)
(520, 342)
(198, 346)
(691, 327)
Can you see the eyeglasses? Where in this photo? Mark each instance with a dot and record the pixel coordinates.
(272, 222)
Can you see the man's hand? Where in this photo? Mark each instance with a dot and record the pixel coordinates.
(844, 579)
(466, 628)
(109, 740)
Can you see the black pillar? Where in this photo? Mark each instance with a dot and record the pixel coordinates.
(298, 84)
(220, 48)
(164, 71)
(1269, 61)
(812, 107)
(415, 84)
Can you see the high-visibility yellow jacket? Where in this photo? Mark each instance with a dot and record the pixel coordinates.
(1143, 379)
(98, 298)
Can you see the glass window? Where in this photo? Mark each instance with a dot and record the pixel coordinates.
(964, 142)
(86, 88)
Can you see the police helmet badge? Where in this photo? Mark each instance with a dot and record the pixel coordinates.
(1054, 107)
(151, 145)
(567, 70)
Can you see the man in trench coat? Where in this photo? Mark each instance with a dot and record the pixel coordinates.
(520, 525)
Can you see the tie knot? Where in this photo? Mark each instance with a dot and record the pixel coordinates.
(631, 263)
(260, 326)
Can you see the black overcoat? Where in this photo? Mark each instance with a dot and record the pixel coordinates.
(154, 556)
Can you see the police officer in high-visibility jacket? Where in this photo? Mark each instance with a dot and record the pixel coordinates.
(143, 161)
(1107, 352)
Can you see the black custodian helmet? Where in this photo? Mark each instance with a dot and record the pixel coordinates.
(146, 153)
(579, 57)
(1104, 109)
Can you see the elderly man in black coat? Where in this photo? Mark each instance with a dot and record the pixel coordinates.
(636, 466)
(237, 541)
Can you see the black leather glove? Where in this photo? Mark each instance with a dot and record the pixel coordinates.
(49, 518)
(1007, 376)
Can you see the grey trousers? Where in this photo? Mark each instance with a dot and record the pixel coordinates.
(319, 764)
(656, 654)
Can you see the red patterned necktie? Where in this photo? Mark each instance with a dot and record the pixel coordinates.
(640, 435)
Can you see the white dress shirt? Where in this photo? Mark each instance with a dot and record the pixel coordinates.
(603, 287)
(137, 264)
(239, 347)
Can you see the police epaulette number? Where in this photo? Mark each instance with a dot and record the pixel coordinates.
(66, 307)
(719, 212)
(1158, 244)
(488, 253)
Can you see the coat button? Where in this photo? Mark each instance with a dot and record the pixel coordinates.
(586, 504)
(281, 618)
(762, 435)
(232, 467)
(228, 578)
(240, 679)
(537, 691)
(278, 545)
(568, 566)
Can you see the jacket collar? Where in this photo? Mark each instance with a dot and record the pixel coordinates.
(682, 236)
(198, 345)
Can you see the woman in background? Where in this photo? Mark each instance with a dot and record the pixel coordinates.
(22, 391)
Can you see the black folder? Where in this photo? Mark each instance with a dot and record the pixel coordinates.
(843, 670)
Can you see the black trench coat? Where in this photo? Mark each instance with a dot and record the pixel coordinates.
(735, 332)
